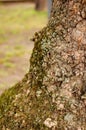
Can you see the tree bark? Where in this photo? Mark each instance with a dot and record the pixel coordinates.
(52, 95)
(49, 4)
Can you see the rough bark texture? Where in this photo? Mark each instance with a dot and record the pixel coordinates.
(52, 96)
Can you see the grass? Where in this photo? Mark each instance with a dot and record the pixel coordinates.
(7, 59)
(18, 20)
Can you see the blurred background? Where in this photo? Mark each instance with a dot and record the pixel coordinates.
(19, 19)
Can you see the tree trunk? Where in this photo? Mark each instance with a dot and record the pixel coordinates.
(52, 95)
(49, 4)
(40, 4)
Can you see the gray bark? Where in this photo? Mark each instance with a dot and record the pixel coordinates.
(49, 3)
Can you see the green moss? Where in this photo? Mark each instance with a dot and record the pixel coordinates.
(7, 97)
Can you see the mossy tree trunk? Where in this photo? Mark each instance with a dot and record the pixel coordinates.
(52, 95)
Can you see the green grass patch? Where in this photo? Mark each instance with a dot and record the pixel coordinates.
(3, 73)
(10, 54)
(9, 64)
(6, 62)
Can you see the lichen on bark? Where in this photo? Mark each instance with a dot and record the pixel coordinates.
(52, 95)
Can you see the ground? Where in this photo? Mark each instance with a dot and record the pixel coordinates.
(18, 22)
